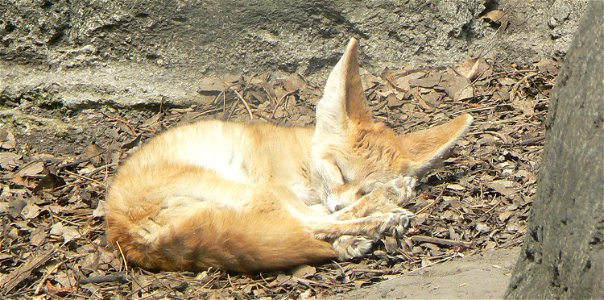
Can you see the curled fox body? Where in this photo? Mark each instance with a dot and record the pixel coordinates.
(258, 197)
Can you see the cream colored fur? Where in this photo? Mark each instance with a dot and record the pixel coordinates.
(245, 197)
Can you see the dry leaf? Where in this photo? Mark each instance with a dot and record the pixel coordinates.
(457, 87)
(494, 16)
(526, 106)
(304, 271)
(30, 211)
(472, 68)
(9, 160)
(456, 187)
(49, 182)
(505, 215)
(93, 153)
(482, 227)
(68, 233)
(429, 81)
(31, 169)
(7, 140)
(503, 187)
(403, 82)
(99, 211)
(38, 236)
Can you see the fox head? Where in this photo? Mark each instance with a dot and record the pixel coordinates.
(351, 154)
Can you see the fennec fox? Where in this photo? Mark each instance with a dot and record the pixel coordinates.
(244, 197)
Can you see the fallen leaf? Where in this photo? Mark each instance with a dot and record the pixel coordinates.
(457, 87)
(68, 233)
(99, 211)
(506, 81)
(503, 187)
(456, 187)
(494, 15)
(304, 271)
(9, 160)
(280, 280)
(38, 236)
(482, 227)
(49, 182)
(31, 169)
(505, 215)
(391, 245)
(403, 82)
(93, 153)
(30, 211)
(7, 140)
(426, 82)
(526, 106)
(15, 207)
(472, 68)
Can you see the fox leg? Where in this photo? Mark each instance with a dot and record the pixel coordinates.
(353, 238)
(375, 203)
(373, 226)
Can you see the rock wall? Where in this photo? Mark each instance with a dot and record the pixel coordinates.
(133, 51)
(303, 36)
(563, 254)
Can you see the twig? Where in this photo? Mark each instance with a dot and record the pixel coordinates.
(247, 107)
(281, 101)
(386, 271)
(46, 274)
(439, 241)
(83, 177)
(432, 204)
(345, 278)
(24, 271)
(121, 278)
(436, 262)
(517, 85)
(123, 256)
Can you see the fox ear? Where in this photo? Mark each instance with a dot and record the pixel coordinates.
(343, 99)
(426, 147)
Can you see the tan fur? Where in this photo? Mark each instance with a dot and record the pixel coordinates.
(245, 197)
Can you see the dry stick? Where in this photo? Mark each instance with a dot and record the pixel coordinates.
(436, 262)
(517, 85)
(497, 134)
(247, 107)
(345, 278)
(83, 177)
(122, 254)
(46, 274)
(432, 204)
(24, 271)
(386, 271)
(121, 278)
(281, 101)
(439, 241)
(81, 160)
(118, 119)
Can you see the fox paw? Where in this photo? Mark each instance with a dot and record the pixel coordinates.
(349, 247)
(399, 221)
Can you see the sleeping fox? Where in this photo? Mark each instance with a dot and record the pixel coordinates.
(248, 198)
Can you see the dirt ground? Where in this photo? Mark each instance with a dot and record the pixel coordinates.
(56, 164)
(485, 275)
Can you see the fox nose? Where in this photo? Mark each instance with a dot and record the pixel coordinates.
(338, 207)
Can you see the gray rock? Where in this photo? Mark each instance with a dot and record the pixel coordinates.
(563, 254)
(164, 41)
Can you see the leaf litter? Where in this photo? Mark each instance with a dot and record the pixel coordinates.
(53, 184)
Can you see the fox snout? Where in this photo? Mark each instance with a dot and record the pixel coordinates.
(337, 201)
